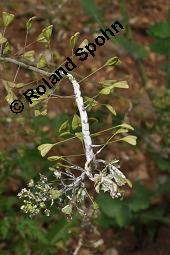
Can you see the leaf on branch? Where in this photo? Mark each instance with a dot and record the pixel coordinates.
(29, 55)
(45, 35)
(131, 139)
(106, 91)
(111, 61)
(29, 22)
(121, 130)
(10, 94)
(121, 84)
(110, 108)
(128, 126)
(2, 39)
(90, 103)
(45, 148)
(54, 158)
(73, 40)
(76, 122)
(42, 62)
(79, 135)
(7, 18)
(40, 113)
(7, 49)
(64, 126)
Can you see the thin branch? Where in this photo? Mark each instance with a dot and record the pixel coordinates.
(27, 66)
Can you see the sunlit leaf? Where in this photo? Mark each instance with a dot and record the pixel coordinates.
(121, 130)
(121, 84)
(110, 108)
(45, 148)
(7, 18)
(29, 55)
(10, 94)
(55, 158)
(107, 90)
(42, 62)
(129, 139)
(73, 40)
(7, 48)
(75, 122)
(2, 39)
(29, 22)
(40, 113)
(128, 126)
(64, 126)
(112, 61)
(45, 35)
(79, 135)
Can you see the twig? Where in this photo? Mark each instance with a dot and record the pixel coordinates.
(27, 66)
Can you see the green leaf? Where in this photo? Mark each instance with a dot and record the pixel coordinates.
(7, 49)
(110, 108)
(40, 113)
(73, 40)
(55, 158)
(107, 90)
(2, 39)
(110, 85)
(115, 209)
(10, 94)
(112, 61)
(29, 22)
(141, 198)
(42, 62)
(29, 55)
(67, 209)
(64, 127)
(121, 84)
(79, 135)
(129, 183)
(125, 125)
(136, 49)
(45, 148)
(107, 83)
(90, 103)
(160, 46)
(160, 30)
(121, 130)
(129, 139)
(20, 85)
(7, 18)
(76, 122)
(45, 35)
(91, 9)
